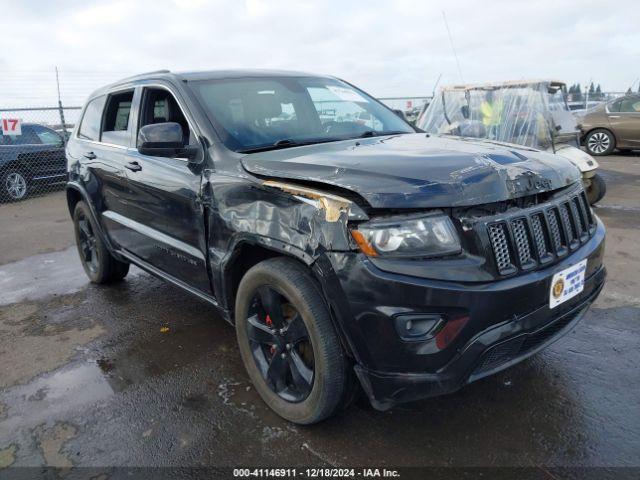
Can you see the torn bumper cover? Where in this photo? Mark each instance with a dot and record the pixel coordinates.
(498, 323)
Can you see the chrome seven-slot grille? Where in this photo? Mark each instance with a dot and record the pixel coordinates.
(537, 236)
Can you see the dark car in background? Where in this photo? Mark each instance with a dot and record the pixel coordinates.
(30, 162)
(346, 248)
(611, 125)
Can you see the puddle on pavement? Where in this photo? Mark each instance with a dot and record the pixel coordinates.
(40, 276)
(53, 395)
(8, 456)
(52, 440)
(36, 340)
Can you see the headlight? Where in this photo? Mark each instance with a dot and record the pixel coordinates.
(429, 236)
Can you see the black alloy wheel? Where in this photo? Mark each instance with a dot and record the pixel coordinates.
(87, 244)
(98, 262)
(280, 345)
(288, 343)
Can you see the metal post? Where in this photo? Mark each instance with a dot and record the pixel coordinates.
(61, 110)
(586, 95)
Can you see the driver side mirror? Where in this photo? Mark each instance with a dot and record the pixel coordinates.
(164, 140)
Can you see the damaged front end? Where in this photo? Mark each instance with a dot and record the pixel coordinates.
(421, 275)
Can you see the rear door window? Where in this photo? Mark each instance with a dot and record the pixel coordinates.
(115, 124)
(91, 120)
(47, 136)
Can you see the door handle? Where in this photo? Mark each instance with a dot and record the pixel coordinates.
(90, 155)
(133, 166)
(614, 116)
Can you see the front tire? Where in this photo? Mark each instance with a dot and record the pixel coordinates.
(14, 186)
(600, 142)
(596, 190)
(98, 263)
(287, 342)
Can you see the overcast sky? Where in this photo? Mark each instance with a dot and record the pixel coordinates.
(389, 48)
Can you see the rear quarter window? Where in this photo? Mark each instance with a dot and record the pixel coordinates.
(615, 106)
(91, 120)
(630, 105)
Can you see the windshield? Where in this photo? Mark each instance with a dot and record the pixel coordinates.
(514, 114)
(277, 112)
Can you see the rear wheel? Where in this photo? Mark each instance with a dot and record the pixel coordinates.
(14, 185)
(287, 341)
(98, 263)
(600, 142)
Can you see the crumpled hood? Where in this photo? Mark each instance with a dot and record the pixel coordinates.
(420, 171)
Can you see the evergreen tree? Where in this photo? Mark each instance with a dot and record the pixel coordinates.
(592, 89)
(598, 95)
(578, 96)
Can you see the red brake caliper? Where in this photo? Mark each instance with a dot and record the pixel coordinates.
(269, 322)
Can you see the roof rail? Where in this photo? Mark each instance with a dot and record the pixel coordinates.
(133, 77)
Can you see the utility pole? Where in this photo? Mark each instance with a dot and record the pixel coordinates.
(435, 86)
(453, 48)
(61, 110)
(586, 90)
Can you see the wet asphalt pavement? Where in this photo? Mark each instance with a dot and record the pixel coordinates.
(88, 378)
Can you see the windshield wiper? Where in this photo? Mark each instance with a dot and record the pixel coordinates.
(368, 133)
(288, 142)
(284, 143)
(373, 133)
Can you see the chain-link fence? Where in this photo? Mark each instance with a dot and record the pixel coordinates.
(38, 110)
(32, 143)
(583, 101)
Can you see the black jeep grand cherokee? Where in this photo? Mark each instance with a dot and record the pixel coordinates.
(345, 247)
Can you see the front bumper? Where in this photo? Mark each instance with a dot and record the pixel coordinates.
(508, 321)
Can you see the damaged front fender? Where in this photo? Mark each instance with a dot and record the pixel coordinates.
(282, 217)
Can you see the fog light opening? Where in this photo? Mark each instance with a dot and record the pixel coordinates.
(417, 327)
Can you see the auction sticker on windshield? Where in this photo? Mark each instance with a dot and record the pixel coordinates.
(346, 94)
(567, 284)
